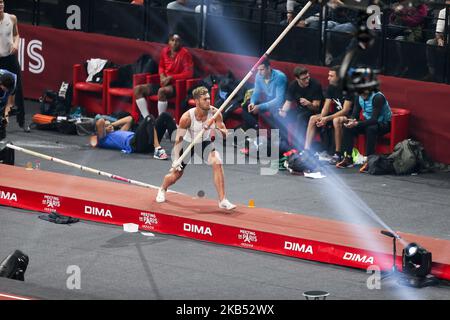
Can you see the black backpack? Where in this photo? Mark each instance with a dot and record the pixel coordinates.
(302, 162)
(57, 103)
(380, 164)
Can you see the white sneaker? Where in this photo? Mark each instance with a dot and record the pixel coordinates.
(225, 204)
(161, 196)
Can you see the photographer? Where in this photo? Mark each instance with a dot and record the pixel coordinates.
(7, 90)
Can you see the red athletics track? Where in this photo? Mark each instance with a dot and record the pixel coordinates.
(261, 229)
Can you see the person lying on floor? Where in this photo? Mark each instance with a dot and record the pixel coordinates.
(146, 138)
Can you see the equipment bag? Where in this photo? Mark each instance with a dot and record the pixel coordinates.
(380, 164)
(66, 125)
(302, 162)
(57, 103)
(409, 156)
(44, 122)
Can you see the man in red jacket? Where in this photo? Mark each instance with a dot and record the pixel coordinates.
(175, 63)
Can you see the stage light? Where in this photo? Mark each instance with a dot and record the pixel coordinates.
(14, 266)
(416, 263)
(411, 250)
(416, 260)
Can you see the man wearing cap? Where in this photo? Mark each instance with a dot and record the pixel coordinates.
(175, 63)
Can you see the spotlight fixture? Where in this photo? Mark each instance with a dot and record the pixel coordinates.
(14, 266)
(416, 264)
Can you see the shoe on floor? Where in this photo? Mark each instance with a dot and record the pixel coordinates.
(225, 204)
(161, 196)
(347, 162)
(26, 128)
(335, 159)
(160, 154)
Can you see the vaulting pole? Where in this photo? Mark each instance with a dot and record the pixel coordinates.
(241, 84)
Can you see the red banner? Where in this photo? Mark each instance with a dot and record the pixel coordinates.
(206, 231)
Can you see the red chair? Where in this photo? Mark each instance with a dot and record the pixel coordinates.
(399, 132)
(123, 99)
(91, 96)
(181, 92)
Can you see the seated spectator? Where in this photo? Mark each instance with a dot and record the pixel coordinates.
(406, 23)
(303, 99)
(268, 95)
(144, 139)
(289, 17)
(341, 22)
(175, 64)
(191, 6)
(434, 56)
(310, 16)
(376, 121)
(291, 4)
(335, 110)
(181, 5)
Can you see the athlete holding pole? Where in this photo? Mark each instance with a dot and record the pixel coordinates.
(207, 121)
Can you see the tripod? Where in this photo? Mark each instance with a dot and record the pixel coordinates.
(394, 271)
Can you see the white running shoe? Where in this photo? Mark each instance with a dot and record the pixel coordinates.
(225, 204)
(161, 196)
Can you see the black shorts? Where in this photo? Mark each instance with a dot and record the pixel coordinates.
(195, 151)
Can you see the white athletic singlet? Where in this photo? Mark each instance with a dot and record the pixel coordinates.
(6, 35)
(197, 126)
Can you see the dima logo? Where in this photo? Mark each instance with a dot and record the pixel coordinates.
(356, 257)
(97, 212)
(292, 246)
(197, 229)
